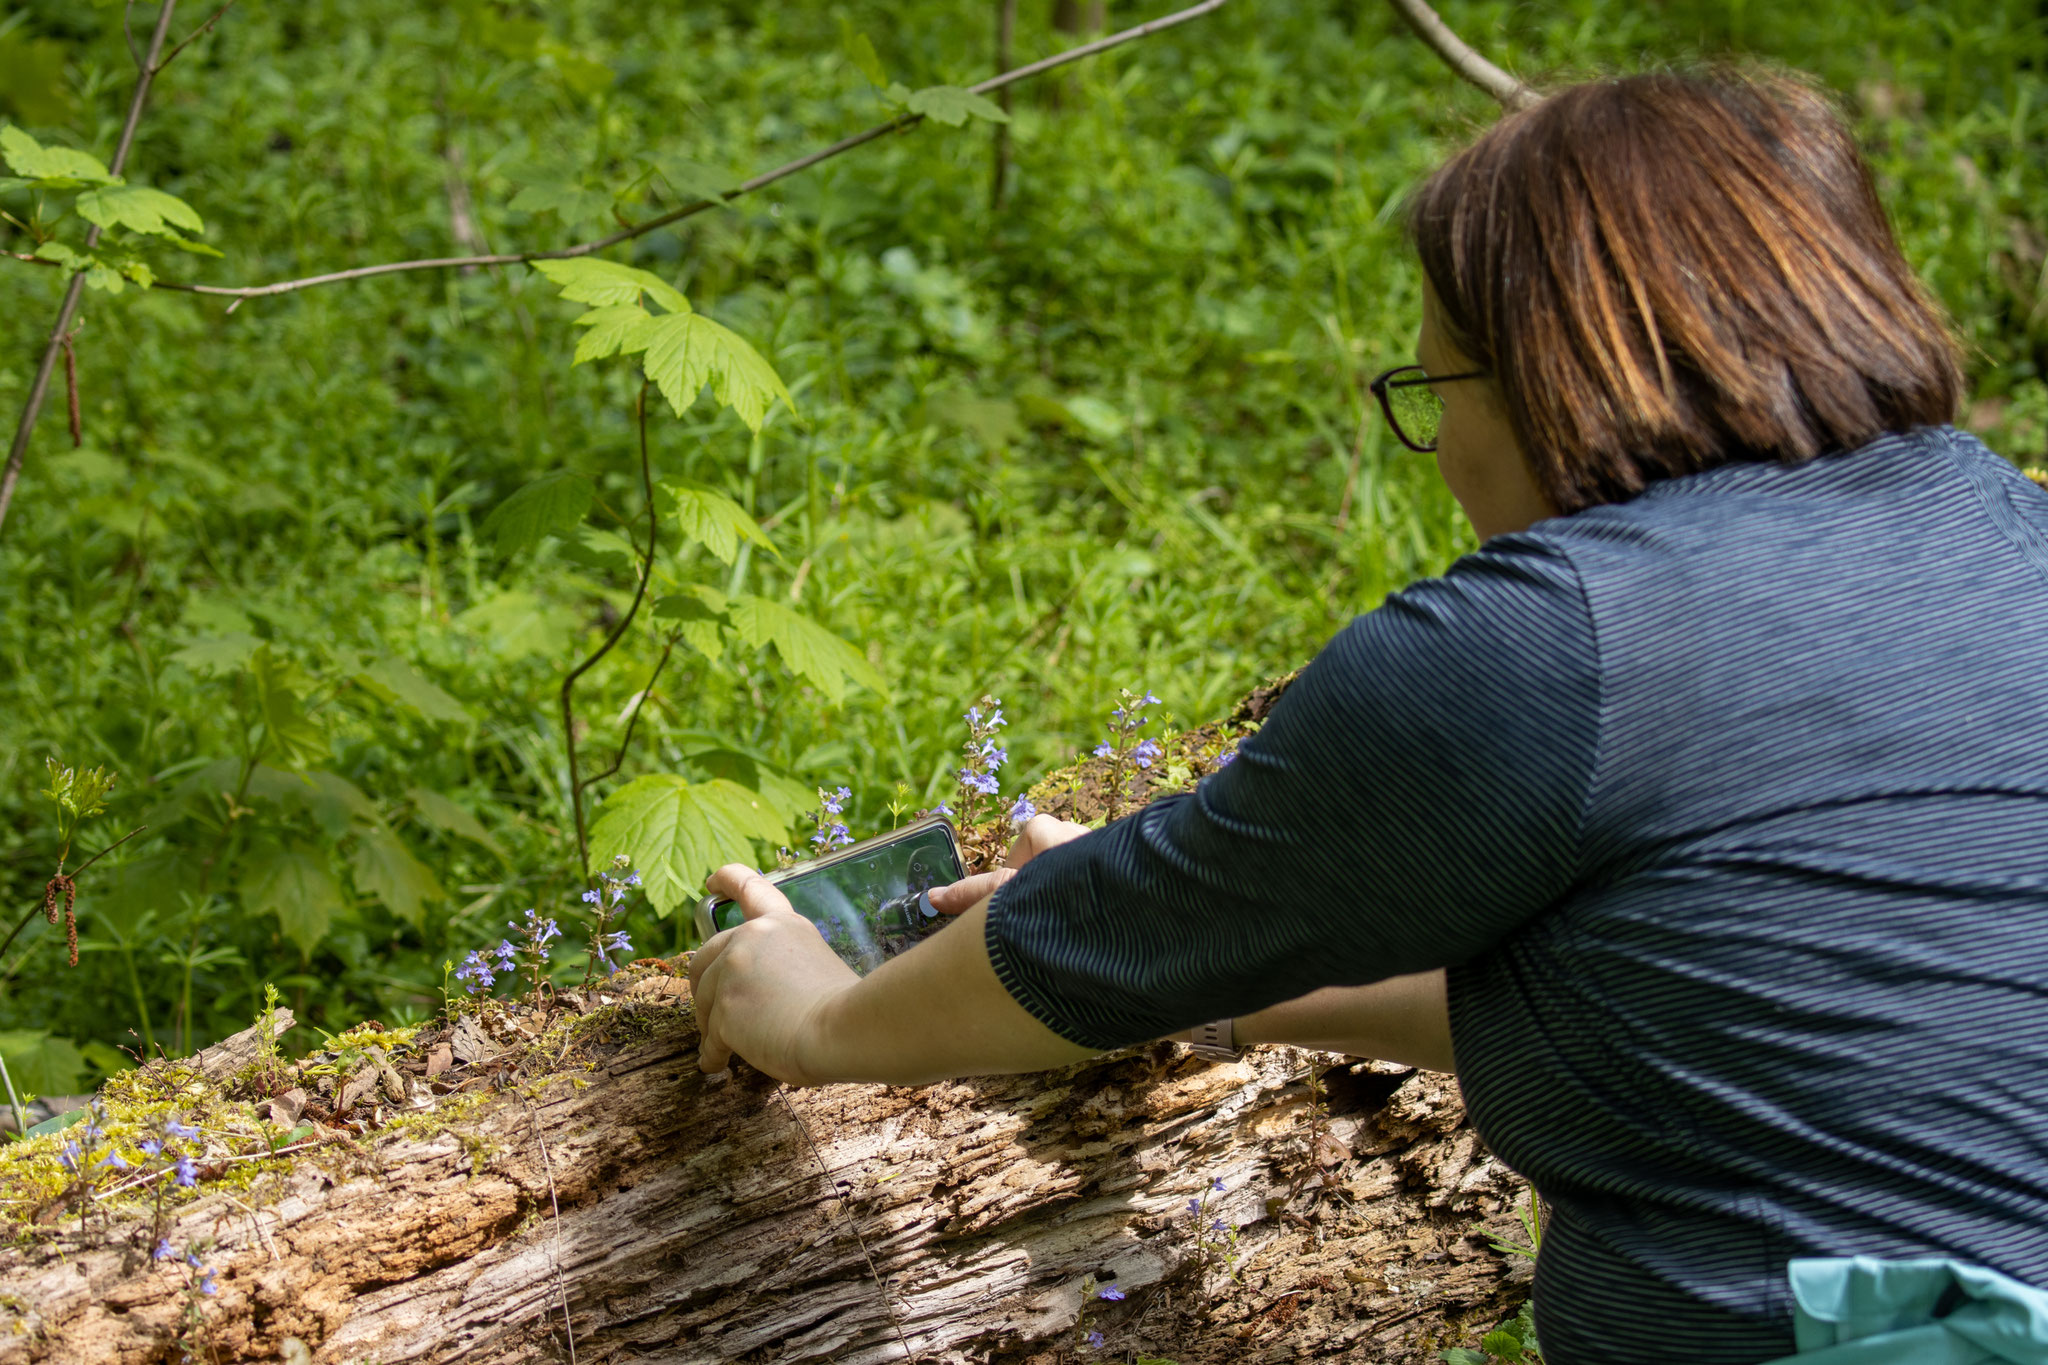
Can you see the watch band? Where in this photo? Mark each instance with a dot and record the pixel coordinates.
(1218, 1039)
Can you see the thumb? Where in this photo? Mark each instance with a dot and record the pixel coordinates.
(968, 891)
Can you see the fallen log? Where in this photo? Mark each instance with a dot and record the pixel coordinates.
(527, 1186)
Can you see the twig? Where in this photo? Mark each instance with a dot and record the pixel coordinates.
(640, 592)
(626, 740)
(803, 163)
(33, 910)
(257, 1219)
(1006, 28)
(853, 1226)
(20, 1114)
(40, 388)
(555, 1255)
(1468, 64)
(212, 19)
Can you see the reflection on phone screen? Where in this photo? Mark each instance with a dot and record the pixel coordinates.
(872, 907)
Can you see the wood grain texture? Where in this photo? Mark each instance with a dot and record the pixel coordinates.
(696, 1224)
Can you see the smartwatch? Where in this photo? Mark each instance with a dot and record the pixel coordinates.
(1216, 1039)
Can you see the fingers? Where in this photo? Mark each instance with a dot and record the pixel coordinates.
(755, 894)
(968, 891)
(1041, 832)
(713, 1056)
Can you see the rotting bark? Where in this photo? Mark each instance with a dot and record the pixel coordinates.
(744, 1221)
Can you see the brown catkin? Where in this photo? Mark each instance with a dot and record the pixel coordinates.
(50, 898)
(71, 918)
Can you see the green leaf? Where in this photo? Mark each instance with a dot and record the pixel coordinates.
(383, 866)
(678, 832)
(951, 105)
(1463, 1355)
(715, 521)
(332, 800)
(574, 203)
(139, 209)
(32, 84)
(698, 620)
(40, 1064)
(807, 648)
(621, 329)
(605, 552)
(393, 680)
(281, 685)
(861, 52)
(605, 284)
(439, 812)
(56, 168)
(221, 654)
(110, 1061)
(551, 504)
(103, 277)
(294, 884)
(686, 350)
(60, 253)
(1502, 1343)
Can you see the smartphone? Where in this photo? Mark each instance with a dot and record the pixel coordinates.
(870, 900)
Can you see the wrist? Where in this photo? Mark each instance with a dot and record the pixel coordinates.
(820, 1051)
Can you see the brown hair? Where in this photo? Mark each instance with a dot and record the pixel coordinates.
(1669, 272)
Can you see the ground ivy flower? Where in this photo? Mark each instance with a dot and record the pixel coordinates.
(1022, 811)
(831, 832)
(1095, 1341)
(180, 1130)
(186, 1172)
(1113, 1294)
(114, 1159)
(164, 1250)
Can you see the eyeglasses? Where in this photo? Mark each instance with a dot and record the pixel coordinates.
(1414, 410)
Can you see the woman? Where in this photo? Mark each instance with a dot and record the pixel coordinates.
(1701, 816)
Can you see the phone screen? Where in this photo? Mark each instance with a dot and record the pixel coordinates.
(873, 906)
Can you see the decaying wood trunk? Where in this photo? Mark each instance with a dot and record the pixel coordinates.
(743, 1221)
(483, 1195)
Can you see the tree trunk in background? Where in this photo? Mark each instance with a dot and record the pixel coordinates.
(742, 1221)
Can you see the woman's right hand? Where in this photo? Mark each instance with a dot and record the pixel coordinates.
(1041, 832)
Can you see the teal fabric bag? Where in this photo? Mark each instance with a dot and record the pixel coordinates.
(1860, 1310)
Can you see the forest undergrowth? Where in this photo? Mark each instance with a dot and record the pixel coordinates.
(307, 576)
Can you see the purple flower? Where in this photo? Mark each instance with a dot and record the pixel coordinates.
(150, 1146)
(1218, 1226)
(164, 1250)
(973, 716)
(995, 721)
(1194, 1206)
(1103, 750)
(1113, 1294)
(1148, 700)
(1217, 1184)
(591, 897)
(632, 879)
(114, 1159)
(1095, 1341)
(180, 1130)
(69, 1156)
(186, 1172)
(476, 969)
(506, 952)
(192, 1259)
(1226, 758)
(1022, 811)
(1146, 751)
(206, 1282)
(941, 809)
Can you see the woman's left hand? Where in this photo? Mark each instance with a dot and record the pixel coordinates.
(761, 987)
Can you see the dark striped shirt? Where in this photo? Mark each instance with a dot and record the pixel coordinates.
(1727, 808)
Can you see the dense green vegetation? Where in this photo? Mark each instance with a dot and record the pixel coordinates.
(1108, 434)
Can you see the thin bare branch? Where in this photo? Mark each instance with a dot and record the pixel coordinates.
(211, 20)
(626, 740)
(690, 210)
(40, 388)
(618, 632)
(1460, 57)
